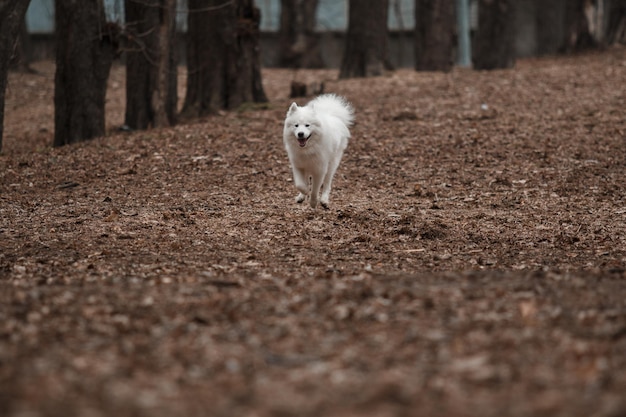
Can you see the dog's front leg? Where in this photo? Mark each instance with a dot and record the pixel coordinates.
(301, 184)
(316, 183)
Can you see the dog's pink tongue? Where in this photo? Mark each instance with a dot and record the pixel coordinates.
(302, 142)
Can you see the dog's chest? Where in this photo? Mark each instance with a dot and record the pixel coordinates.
(307, 158)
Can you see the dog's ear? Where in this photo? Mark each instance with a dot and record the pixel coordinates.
(292, 108)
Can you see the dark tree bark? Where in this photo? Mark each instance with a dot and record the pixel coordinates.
(367, 44)
(494, 41)
(299, 45)
(12, 14)
(616, 24)
(550, 26)
(562, 26)
(85, 51)
(578, 35)
(223, 61)
(21, 59)
(434, 35)
(151, 84)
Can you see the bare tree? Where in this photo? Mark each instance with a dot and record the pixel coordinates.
(494, 40)
(12, 14)
(86, 46)
(367, 44)
(151, 89)
(223, 61)
(299, 45)
(434, 35)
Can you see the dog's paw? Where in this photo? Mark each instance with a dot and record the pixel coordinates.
(324, 204)
(300, 198)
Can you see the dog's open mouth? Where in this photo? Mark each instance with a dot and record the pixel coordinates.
(303, 141)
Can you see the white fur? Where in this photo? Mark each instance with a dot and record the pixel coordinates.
(315, 137)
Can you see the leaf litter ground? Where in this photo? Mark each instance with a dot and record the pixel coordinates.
(472, 261)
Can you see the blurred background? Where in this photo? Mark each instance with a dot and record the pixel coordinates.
(541, 27)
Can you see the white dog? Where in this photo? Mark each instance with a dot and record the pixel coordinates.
(315, 137)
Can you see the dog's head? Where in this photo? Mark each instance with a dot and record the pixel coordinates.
(301, 122)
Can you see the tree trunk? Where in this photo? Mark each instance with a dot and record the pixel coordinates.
(12, 14)
(550, 26)
(21, 59)
(434, 35)
(616, 22)
(563, 26)
(151, 82)
(223, 62)
(495, 37)
(85, 52)
(299, 45)
(578, 34)
(367, 44)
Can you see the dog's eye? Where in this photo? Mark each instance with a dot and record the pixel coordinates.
(307, 125)
(296, 125)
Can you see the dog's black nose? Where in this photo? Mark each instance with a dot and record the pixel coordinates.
(300, 134)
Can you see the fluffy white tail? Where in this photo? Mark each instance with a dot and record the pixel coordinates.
(336, 106)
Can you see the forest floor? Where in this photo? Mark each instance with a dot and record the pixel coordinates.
(472, 261)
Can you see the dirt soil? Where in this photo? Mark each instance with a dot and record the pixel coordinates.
(472, 261)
